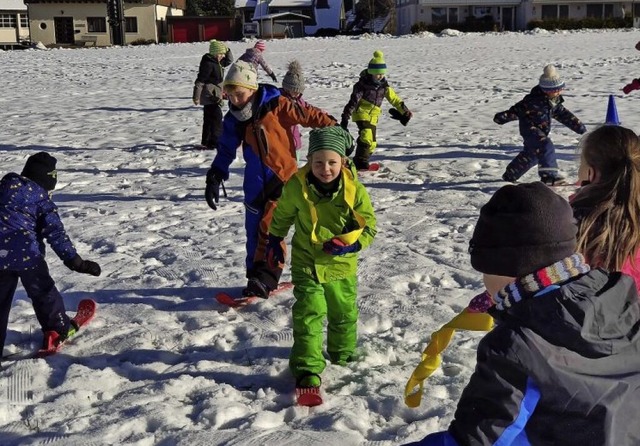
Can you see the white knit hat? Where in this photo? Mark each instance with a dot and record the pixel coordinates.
(550, 80)
(243, 74)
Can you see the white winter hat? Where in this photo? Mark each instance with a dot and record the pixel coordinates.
(243, 74)
(550, 80)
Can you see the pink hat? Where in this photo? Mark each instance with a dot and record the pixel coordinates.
(260, 45)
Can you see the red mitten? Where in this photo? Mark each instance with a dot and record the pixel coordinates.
(634, 85)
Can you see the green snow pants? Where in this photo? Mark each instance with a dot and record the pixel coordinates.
(335, 301)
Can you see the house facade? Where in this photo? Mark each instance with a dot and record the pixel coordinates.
(289, 18)
(75, 22)
(14, 23)
(508, 15)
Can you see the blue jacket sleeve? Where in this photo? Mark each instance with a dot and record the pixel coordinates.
(227, 145)
(51, 228)
(436, 439)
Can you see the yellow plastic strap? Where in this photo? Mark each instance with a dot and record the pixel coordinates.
(440, 340)
(349, 186)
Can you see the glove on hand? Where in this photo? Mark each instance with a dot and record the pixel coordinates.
(275, 253)
(634, 85)
(402, 117)
(273, 76)
(212, 191)
(344, 123)
(498, 118)
(337, 247)
(83, 266)
(481, 303)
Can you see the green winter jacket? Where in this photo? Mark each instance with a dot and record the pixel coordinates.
(334, 218)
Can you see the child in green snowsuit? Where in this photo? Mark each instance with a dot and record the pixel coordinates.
(333, 220)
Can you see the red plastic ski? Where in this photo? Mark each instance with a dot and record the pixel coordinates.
(84, 314)
(308, 396)
(373, 167)
(238, 302)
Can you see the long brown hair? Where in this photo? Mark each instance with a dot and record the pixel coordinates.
(609, 229)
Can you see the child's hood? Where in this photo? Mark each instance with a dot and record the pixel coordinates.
(595, 315)
(18, 190)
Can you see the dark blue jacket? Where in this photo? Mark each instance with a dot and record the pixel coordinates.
(27, 218)
(559, 368)
(534, 113)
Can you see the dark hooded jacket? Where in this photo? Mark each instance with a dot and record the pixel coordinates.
(560, 368)
(27, 218)
(535, 112)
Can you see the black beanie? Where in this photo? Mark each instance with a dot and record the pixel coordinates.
(522, 229)
(41, 168)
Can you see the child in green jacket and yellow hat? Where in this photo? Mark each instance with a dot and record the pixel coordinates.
(364, 108)
(334, 220)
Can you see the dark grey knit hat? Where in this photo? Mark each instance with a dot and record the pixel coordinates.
(41, 168)
(522, 229)
(293, 81)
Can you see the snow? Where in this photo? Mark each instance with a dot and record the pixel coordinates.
(164, 363)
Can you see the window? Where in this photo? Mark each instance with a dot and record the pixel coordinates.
(551, 12)
(131, 24)
(96, 25)
(600, 10)
(24, 21)
(7, 21)
(438, 16)
(453, 15)
(481, 11)
(441, 16)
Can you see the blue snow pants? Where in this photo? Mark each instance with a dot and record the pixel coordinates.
(542, 153)
(41, 289)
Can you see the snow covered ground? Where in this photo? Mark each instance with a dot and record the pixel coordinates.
(163, 363)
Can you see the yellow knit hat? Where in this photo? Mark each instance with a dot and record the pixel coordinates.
(377, 64)
(217, 47)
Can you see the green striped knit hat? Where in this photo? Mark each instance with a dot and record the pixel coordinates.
(330, 138)
(377, 65)
(217, 47)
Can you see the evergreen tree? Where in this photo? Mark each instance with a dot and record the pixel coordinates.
(219, 8)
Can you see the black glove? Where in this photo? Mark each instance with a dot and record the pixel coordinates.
(344, 123)
(402, 117)
(275, 253)
(83, 266)
(273, 76)
(212, 191)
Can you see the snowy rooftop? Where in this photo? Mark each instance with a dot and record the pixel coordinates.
(12, 5)
(290, 4)
(245, 3)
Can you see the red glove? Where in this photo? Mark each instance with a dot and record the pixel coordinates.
(634, 85)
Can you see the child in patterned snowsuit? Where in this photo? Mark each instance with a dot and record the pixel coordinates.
(534, 113)
(334, 220)
(207, 91)
(292, 88)
(259, 120)
(255, 58)
(27, 217)
(364, 108)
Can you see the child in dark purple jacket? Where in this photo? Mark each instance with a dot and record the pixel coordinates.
(27, 218)
(534, 113)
